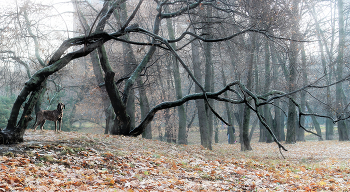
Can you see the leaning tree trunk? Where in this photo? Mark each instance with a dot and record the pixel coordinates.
(14, 130)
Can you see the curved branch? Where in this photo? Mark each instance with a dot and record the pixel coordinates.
(261, 119)
(170, 104)
(179, 12)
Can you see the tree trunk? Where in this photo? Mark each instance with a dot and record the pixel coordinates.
(239, 118)
(315, 122)
(109, 119)
(329, 123)
(165, 95)
(182, 134)
(144, 106)
(277, 121)
(209, 73)
(267, 113)
(14, 131)
(342, 129)
(245, 145)
(230, 129)
(216, 131)
(98, 72)
(122, 120)
(129, 65)
(293, 54)
(300, 131)
(202, 118)
(254, 124)
(263, 134)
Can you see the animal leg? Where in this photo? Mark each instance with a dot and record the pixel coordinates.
(42, 125)
(59, 123)
(55, 126)
(35, 126)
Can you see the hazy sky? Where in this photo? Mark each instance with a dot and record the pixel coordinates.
(62, 8)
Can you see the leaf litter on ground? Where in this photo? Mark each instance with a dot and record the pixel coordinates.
(74, 161)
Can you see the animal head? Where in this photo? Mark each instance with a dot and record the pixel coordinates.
(60, 106)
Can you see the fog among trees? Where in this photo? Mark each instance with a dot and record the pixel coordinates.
(220, 71)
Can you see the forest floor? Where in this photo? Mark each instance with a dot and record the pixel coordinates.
(71, 161)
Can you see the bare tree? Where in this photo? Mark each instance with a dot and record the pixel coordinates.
(247, 29)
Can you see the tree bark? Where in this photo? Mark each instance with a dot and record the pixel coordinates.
(315, 122)
(13, 132)
(267, 113)
(109, 119)
(202, 118)
(95, 59)
(300, 131)
(329, 123)
(342, 129)
(293, 54)
(182, 133)
(245, 145)
(209, 74)
(144, 106)
(277, 121)
(230, 129)
(263, 134)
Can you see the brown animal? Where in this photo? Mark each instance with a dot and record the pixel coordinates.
(51, 115)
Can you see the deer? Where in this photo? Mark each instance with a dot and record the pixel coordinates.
(51, 115)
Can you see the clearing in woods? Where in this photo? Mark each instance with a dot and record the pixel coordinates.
(84, 162)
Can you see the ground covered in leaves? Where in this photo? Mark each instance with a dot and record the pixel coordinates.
(73, 161)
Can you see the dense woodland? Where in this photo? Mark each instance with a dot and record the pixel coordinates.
(164, 69)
